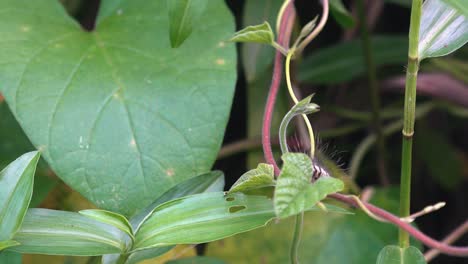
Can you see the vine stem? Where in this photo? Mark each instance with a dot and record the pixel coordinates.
(409, 117)
(426, 240)
(295, 100)
(284, 34)
(285, 30)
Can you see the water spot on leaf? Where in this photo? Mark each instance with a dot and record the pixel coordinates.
(170, 172)
(132, 143)
(237, 208)
(220, 61)
(221, 44)
(119, 12)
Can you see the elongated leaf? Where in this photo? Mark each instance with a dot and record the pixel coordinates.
(323, 238)
(337, 64)
(340, 14)
(202, 218)
(119, 115)
(444, 29)
(16, 185)
(208, 182)
(260, 177)
(117, 220)
(255, 34)
(459, 5)
(141, 255)
(9, 257)
(397, 255)
(294, 191)
(183, 17)
(7, 243)
(53, 232)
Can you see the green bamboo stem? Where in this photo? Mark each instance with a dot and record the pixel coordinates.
(374, 93)
(409, 117)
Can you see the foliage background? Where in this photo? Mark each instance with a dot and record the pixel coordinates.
(440, 159)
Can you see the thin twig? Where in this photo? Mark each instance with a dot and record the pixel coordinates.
(317, 29)
(452, 237)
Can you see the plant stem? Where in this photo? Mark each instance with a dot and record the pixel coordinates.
(295, 100)
(298, 224)
(284, 34)
(432, 243)
(452, 237)
(409, 117)
(374, 93)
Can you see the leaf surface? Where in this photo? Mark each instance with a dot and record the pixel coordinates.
(183, 17)
(335, 64)
(397, 255)
(294, 191)
(119, 115)
(54, 232)
(16, 186)
(340, 14)
(443, 30)
(262, 176)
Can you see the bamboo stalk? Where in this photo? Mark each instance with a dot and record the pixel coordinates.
(409, 117)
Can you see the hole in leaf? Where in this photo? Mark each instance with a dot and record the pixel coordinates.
(230, 199)
(237, 208)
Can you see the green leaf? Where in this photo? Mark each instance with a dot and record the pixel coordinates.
(440, 157)
(202, 218)
(53, 232)
(336, 64)
(294, 191)
(257, 59)
(255, 34)
(208, 182)
(206, 217)
(119, 115)
(443, 29)
(341, 15)
(9, 257)
(260, 177)
(326, 238)
(14, 143)
(397, 255)
(196, 260)
(141, 255)
(7, 243)
(116, 220)
(16, 186)
(459, 5)
(183, 16)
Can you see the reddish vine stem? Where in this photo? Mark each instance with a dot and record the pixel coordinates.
(284, 35)
(283, 38)
(426, 240)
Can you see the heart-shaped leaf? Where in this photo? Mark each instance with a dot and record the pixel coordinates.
(54, 232)
(397, 255)
(294, 192)
(16, 186)
(444, 29)
(255, 34)
(262, 176)
(119, 115)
